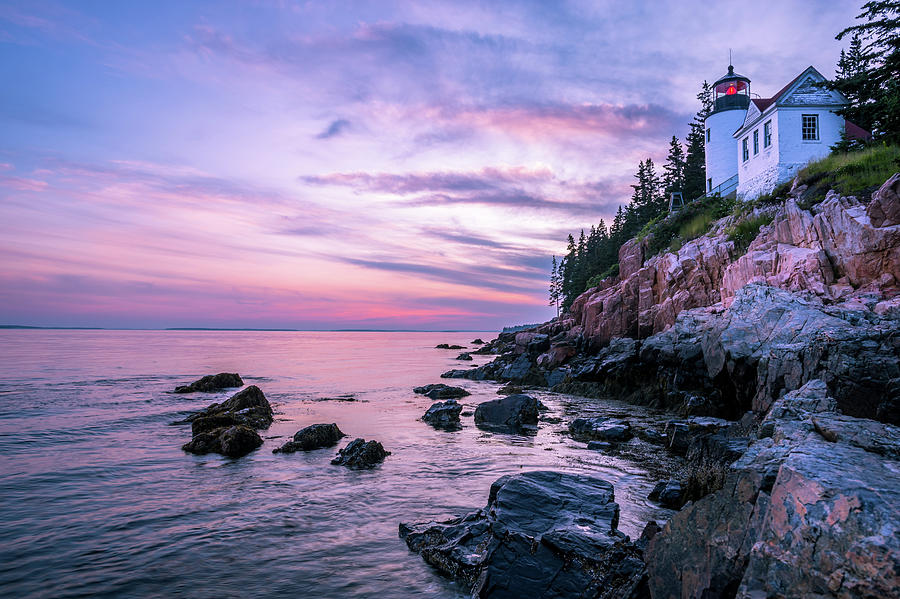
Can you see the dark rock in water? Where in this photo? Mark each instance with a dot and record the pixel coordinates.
(232, 442)
(464, 356)
(441, 391)
(314, 436)
(444, 414)
(611, 430)
(668, 493)
(478, 341)
(650, 530)
(512, 412)
(227, 428)
(248, 407)
(360, 454)
(509, 390)
(456, 373)
(447, 346)
(543, 534)
(599, 445)
(213, 382)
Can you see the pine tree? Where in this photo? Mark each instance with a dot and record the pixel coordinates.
(673, 169)
(869, 73)
(555, 285)
(695, 159)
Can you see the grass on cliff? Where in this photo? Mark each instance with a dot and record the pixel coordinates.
(689, 223)
(856, 173)
(745, 230)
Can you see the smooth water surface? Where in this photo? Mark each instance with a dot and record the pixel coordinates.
(98, 499)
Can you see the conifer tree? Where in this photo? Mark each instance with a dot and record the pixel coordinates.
(695, 159)
(555, 290)
(869, 73)
(673, 169)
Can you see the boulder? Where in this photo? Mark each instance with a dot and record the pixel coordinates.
(232, 441)
(542, 534)
(247, 407)
(808, 511)
(360, 454)
(314, 436)
(610, 430)
(464, 356)
(512, 413)
(884, 209)
(441, 391)
(448, 346)
(478, 341)
(212, 383)
(669, 493)
(599, 445)
(444, 414)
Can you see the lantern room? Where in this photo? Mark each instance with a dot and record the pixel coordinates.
(731, 92)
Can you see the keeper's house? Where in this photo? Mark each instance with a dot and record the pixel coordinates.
(753, 144)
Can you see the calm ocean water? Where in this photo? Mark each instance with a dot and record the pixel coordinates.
(97, 498)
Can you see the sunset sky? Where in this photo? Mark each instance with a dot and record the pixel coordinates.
(343, 164)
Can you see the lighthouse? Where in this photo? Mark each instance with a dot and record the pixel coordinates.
(731, 95)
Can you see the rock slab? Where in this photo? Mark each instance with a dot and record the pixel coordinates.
(444, 414)
(511, 413)
(314, 436)
(361, 454)
(542, 534)
(212, 383)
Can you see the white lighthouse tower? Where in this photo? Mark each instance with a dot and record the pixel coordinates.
(732, 97)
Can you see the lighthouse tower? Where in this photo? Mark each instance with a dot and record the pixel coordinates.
(732, 97)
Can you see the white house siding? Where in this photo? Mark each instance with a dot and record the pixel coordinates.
(720, 162)
(760, 173)
(796, 153)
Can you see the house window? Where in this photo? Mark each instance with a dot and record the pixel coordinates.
(810, 127)
(709, 184)
(756, 142)
(767, 134)
(746, 149)
(708, 135)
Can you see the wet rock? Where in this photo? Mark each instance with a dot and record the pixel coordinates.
(808, 510)
(247, 407)
(212, 383)
(669, 493)
(653, 437)
(361, 454)
(512, 412)
(441, 391)
(314, 436)
(233, 441)
(444, 415)
(599, 445)
(478, 341)
(464, 356)
(611, 430)
(509, 390)
(448, 346)
(542, 534)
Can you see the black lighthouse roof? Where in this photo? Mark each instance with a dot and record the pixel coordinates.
(731, 76)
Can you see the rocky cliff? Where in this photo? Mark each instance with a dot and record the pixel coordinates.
(797, 342)
(708, 330)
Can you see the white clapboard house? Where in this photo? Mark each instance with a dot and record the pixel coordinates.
(755, 144)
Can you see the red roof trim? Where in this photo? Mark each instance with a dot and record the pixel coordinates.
(854, 131)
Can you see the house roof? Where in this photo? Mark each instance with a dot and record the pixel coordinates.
(763, 103)
(854, 131)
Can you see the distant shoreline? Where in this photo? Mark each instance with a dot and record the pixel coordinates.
(38, 328)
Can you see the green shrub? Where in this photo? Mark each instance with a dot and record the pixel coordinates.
(612, 271)
(688, 223)
(743, 232)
